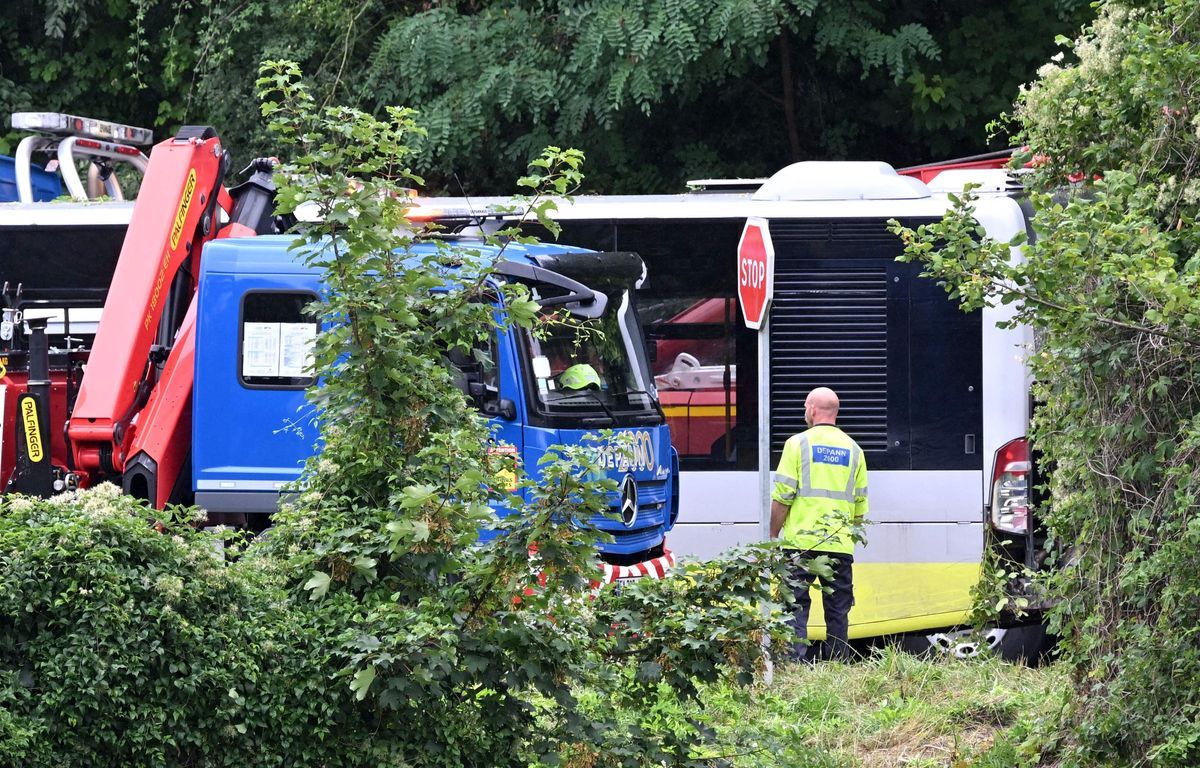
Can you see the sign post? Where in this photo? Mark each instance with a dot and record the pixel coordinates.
(756, 283)
(756, 272)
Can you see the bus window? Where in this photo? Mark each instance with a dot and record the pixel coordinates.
(691, 344)
(703, 358)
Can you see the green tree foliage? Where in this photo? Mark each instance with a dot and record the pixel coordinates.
(655, 91)
(128, 60)
(1110, 286)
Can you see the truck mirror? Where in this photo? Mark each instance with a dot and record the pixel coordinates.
(487, 399)
(503, 407)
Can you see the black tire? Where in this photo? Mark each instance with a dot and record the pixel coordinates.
(1027, 644)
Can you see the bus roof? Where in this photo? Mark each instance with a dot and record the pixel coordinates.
(708, 205)
(802, 190)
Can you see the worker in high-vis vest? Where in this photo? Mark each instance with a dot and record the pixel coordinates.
(818, 507)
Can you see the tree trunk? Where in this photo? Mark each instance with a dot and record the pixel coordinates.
(789, 94)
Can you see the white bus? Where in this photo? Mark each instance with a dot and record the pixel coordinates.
(937, 398)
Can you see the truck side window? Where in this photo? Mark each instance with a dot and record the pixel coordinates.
(276, 338)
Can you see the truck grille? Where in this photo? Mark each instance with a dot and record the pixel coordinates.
(647, 530)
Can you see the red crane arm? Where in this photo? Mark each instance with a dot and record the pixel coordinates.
(175, 213)
(158, 448)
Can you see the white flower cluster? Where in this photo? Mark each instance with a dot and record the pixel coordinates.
(20, 504)
(169, 586)
(1104, 49)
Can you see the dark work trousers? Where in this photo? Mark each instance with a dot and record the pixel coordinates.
(836, 601)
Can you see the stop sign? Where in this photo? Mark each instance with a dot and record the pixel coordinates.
(756, 271)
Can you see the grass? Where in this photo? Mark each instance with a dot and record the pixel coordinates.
(892, 709)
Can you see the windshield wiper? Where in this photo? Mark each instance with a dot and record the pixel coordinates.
(653, 400)
(594, 398)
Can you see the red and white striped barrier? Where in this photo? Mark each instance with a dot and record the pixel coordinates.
(654, 569)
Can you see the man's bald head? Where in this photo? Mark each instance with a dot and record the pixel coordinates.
(821, 406)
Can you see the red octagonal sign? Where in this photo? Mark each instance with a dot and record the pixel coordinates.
(756, 271)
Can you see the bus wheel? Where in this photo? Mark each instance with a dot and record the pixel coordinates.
(959, 644)
(965, 643)
(1027, 644)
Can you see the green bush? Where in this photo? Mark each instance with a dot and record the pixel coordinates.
(1111, 287)
(129, 641)
(463, 654)
(124, 645)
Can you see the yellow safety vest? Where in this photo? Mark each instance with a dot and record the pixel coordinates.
(823, 476)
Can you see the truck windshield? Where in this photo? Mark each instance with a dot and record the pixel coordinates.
(592, 368)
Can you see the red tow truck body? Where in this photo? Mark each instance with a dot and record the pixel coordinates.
(117, 406)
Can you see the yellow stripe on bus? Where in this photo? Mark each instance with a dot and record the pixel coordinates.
(683, 411)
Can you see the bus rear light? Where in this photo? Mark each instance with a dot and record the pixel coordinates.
(1010, 487)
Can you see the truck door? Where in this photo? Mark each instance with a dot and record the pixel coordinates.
(253, 428)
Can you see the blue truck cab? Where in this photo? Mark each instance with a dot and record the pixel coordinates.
(253, 428)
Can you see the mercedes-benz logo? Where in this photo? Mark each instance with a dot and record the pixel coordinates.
(629, 501)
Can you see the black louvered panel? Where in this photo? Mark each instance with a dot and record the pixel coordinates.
(785, 231)
(861, 230)
(799, 230)
(829, 328)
